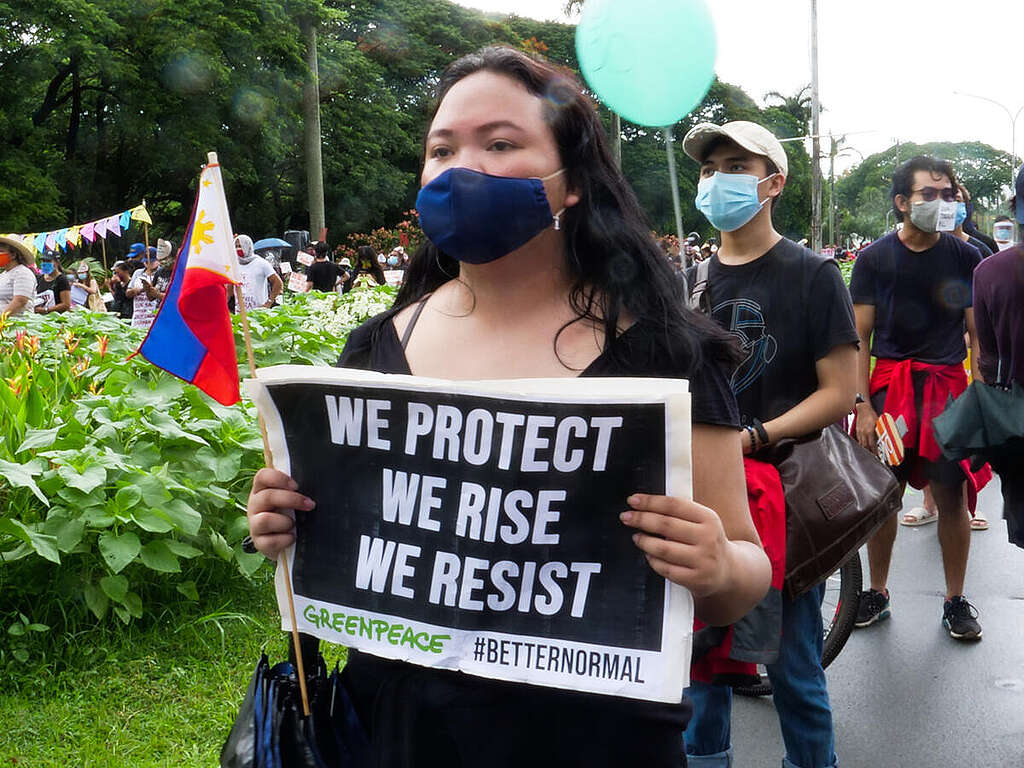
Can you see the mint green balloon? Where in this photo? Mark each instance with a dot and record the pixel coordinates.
(651, 61)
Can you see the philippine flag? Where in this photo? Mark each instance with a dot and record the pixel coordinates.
(191, 336)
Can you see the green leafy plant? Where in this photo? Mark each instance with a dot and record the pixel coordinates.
(122, 487)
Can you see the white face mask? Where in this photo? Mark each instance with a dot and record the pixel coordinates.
(934, 215)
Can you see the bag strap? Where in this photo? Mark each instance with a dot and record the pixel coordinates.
(700, 293)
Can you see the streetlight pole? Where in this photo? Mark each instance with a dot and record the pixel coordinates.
(815, 142)
(1013, 129)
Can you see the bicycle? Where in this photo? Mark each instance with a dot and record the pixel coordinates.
(838, 611)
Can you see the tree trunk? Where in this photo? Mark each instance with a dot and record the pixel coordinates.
(71, 143)
(311, 123)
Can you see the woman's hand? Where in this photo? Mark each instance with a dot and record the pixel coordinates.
(683, 541)
(866, 420)
(274, 494)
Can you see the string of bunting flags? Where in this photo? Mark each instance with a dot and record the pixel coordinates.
(68, 237)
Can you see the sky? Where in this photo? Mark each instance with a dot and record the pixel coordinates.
(887, 68)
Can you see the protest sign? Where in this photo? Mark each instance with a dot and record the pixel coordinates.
(297, 282)
(304, 258)
(475, 525)
(79, 295)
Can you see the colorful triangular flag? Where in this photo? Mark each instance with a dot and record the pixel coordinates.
(88, 231)
(139, 213)
(125, 220)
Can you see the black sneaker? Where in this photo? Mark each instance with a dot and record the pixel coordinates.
(961, 619)
(873, 607)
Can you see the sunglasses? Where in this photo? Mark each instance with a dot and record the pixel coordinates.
(930, 193)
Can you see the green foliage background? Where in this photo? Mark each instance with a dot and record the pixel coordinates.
(105, 103)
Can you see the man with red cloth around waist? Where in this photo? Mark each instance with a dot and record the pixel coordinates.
(911, 294)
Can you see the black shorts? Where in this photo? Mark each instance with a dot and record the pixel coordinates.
(942, 472)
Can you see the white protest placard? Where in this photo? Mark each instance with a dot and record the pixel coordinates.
(79, 295)
(286, 268)
(304, 258)
(297, 282)
(475, 526)
(394, 277)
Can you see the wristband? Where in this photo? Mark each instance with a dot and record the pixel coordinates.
(762, 433)
(753, 438)
(247, 546)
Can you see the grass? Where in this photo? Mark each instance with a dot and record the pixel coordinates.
(162, 692)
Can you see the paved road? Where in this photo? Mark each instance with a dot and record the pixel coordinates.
(903, 692)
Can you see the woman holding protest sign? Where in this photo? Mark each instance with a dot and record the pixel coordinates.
(545, 269)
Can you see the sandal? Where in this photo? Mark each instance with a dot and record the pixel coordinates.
(919, 516)
(979, 523)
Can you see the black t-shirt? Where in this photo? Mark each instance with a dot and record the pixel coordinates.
(121, 304)
(983, 249)
(323, 275)
(789, 308)
(57, 286)
(919, 298)
(460, 720)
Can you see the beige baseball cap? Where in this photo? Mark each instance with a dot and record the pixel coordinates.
(751, 136)
(14, 245)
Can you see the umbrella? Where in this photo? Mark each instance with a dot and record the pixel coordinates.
(984, 420)
(271, 732)
(270, 242)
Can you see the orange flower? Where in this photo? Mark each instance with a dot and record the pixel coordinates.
(15, 384)
(71, 342)
(101, 343)
(93, 388)
(33, 345)
(19, 340)
(3, 320)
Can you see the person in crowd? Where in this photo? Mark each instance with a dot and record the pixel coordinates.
(963, 199)
(53, 291)
(1002, 232)
(17, 280)
(135, 258)
(366, 264)
(792, 313)
(347, 274)
(86, 282)
(911, 292)
(117, 285)
(971, 228)
(323, 274)
(261, 285)
(705, 252)
(146, 290)
(928, 512)
(999, 317)
(549, 304)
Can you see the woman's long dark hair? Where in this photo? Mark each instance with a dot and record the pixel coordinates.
(615, 264)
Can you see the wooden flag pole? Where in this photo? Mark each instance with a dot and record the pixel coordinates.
(268, 460)
(103, 247)
(145, 235)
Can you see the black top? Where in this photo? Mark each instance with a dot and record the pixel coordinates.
(789, 308)
(323, 275)
(642, 352)
(919, 298)
(418, 716)
(983, 249)
(58, 285)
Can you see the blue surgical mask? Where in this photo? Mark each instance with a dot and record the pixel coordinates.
(961, 215)
(477, 218)
(46, 267)
(393, 261)
(729, 200)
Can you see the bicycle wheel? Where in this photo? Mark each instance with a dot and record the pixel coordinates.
(838, 611)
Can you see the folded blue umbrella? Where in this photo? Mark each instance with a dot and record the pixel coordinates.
(270, 242)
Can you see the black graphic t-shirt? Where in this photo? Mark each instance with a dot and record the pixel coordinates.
(413, 712)
(323, 275)
(789, 308)
(919, 298)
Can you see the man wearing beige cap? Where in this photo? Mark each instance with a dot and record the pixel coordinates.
(17, 280)
(792, 315)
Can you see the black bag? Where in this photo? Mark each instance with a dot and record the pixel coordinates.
(271, 731)
(837, 495)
